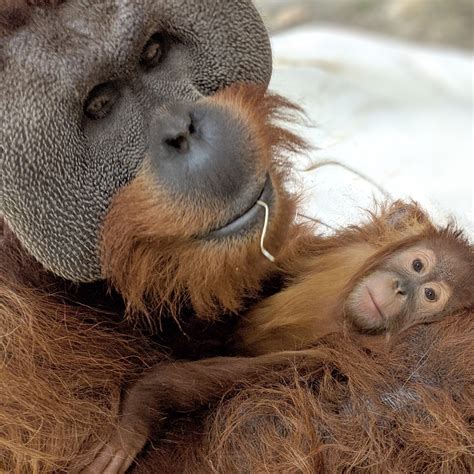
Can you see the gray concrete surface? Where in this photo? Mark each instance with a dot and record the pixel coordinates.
(437, 22)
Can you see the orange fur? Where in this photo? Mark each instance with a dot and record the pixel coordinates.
(344, 408)
(61, 371)
(406, 411)
(308, 308)
(348, 401)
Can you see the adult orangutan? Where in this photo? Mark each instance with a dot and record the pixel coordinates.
(130, 179)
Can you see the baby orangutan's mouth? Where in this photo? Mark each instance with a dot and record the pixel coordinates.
(376, 306)
(252, 215)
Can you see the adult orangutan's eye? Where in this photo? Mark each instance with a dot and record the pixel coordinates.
(153, 52)
(101, 100)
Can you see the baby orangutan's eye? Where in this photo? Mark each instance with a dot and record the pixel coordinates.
(430, 294)
(417, 265)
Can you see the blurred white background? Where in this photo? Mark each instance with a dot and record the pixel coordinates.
(388, 87)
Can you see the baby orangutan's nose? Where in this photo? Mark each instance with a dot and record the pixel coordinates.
(399, 286)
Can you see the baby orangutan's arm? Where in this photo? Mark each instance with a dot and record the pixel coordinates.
(177, 386)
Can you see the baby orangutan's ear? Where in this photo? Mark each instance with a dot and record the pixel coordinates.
(406, 217)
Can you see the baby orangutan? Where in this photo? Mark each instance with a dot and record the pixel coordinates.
(383, 277)
(396, 271)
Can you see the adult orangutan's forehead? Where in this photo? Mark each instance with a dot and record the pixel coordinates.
(80, 39)
(223, 36)
(116, 24)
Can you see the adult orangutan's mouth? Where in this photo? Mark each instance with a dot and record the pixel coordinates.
(252, 216)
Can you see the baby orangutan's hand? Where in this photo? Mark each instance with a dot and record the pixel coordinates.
(118, 454)
(127, 441)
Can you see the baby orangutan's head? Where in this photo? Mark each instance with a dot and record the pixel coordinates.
(415, 283)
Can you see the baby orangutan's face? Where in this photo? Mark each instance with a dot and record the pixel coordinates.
(413, 285)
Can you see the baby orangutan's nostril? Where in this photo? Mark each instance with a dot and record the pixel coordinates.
(398, 287)
(401, 291)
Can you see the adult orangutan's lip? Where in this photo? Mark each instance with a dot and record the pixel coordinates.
(376, 305)
(247, 221)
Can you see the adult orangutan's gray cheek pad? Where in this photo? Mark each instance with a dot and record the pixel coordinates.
(58, 173)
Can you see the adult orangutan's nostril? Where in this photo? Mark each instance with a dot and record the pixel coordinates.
(175, 131)
(179, 143)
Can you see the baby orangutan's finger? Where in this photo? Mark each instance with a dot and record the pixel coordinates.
(117, 455)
